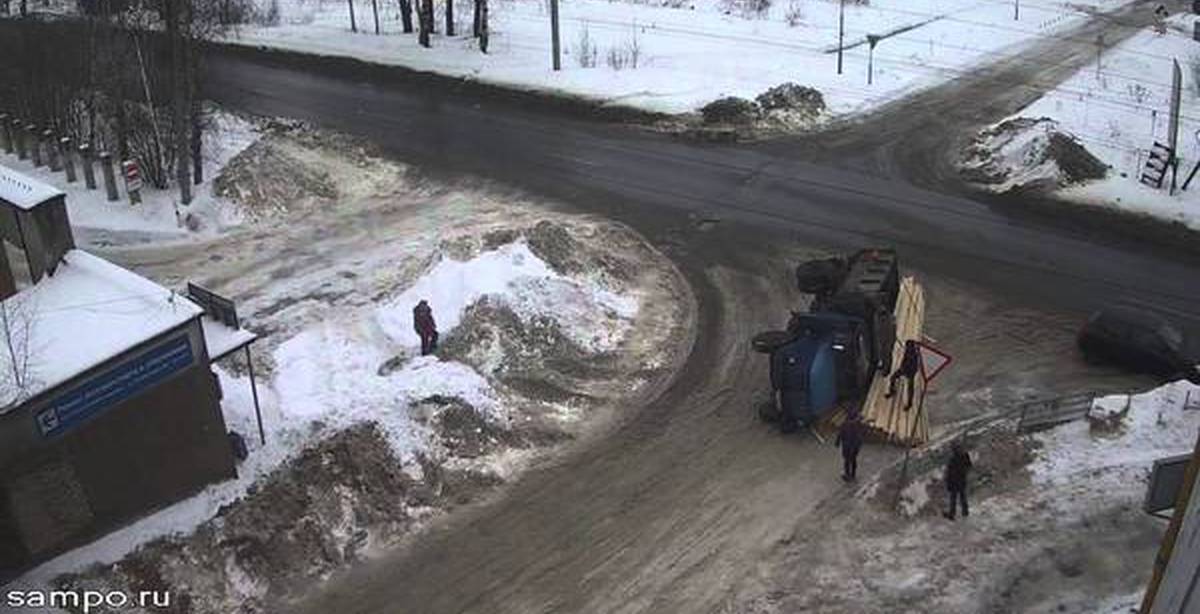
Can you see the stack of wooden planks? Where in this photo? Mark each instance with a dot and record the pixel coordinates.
(886, 419)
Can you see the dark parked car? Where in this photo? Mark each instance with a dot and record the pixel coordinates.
(1140, 341)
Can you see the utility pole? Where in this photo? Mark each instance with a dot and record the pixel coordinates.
(554, 40)
(841, 31)
(872, 40)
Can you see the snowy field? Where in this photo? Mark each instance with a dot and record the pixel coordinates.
(159, 216)
(1117, 109)
(690, 52)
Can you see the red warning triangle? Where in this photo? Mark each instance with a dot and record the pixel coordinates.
(933, 360)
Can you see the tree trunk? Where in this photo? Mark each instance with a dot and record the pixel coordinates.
(179, 96)
(449, 17)
(483, 26)
(353, 25)
(424, 11)
(375, 11)
(406, 8)
(197, 143)
(475, 20)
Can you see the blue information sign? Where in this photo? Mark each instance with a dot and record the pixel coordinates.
(110, 387)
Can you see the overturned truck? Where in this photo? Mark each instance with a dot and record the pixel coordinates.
(829, 354)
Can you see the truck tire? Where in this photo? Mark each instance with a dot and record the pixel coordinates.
(768, 412)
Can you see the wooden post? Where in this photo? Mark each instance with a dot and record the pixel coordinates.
(554, 35)
(68, 158)
(5, 133)
(18, 135)
(51, 145)
(1167, 547)
(106, 170)
(85, 159)
(35, 146)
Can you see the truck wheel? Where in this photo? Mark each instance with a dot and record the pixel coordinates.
(767, 411)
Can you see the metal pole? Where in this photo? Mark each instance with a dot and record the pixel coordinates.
(262, 435)
(554, 38)
(841, 31)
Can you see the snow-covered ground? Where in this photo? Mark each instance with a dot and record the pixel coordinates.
(159, 216)
(1117, 109)
(689, 52)
(1056, 523)
(328, 377)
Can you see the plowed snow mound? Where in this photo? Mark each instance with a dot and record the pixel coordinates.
(1029, 154)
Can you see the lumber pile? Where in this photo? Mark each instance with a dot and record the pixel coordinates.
(886, 420)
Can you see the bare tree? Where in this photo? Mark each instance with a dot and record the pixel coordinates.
(449, 17)
(483, 25)
(375, 11)
(425, 20)
(406, 9)
(353, 25)
(16, 336)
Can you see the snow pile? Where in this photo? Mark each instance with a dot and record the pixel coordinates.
(362, 368)
(518, 278)
(96, 220)
(1119, 109)
(1156, 424)
(676, 56)
(1027, 153)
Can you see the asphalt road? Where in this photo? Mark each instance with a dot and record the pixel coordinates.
(672, 510)
(624, 172)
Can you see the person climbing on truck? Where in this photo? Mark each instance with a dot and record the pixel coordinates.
(910, 364)
(850, 437)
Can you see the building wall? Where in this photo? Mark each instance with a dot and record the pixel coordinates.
(143, 453)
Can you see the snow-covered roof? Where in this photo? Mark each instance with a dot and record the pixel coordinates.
(223, 339)
(24, 191)
(87, 312)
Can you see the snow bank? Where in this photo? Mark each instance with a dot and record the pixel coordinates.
(362, 367)
(1119, 108)
(526, 283)
(1156, 425)
(691, 52)
(95, 218)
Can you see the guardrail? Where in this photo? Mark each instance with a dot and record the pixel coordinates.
(1044, 413)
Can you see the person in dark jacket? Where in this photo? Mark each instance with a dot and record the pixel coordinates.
(425, 326)
(850, 437)
(956, 479)
(910, 364)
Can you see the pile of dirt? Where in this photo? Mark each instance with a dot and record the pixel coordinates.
(1028, 154)
(568, 251)
(534, 357)
(315, 515)
(265, 179)
(791, 105)
(308, 518)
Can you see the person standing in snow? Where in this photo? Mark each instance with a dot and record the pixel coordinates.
(850, 438)
(956, 479)
(909, 365)
(425, 326)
